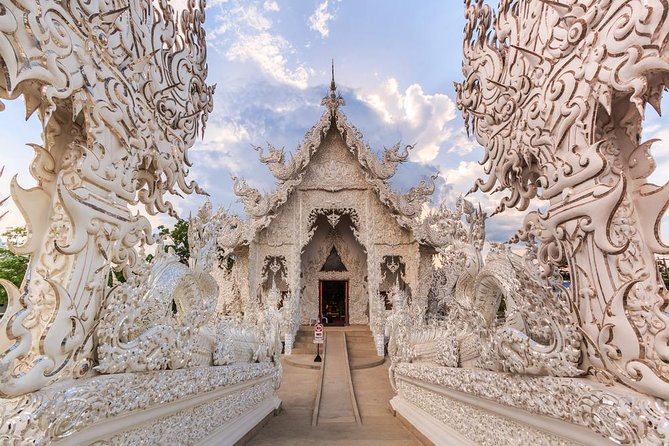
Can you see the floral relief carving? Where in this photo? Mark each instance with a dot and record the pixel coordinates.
(197, 423)
(624, 417)
(332, 176)
(459, 416)
(56, 413)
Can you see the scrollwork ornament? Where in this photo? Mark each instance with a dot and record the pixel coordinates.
(120, 89)
(556, 93)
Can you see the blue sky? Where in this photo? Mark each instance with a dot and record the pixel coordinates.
(395, 66)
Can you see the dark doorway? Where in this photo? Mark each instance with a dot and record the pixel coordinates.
(334, 301)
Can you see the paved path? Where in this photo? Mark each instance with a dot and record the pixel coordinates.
(293, 426)
(337, 403)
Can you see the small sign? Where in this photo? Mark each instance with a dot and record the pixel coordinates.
(318, 334)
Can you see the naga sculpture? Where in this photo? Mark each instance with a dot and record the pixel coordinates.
(159, 318)
(556, 93)
(538, 334)
(256, 337)
(162, 317)
(120, 89)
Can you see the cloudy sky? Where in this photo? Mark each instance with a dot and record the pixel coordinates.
(395, 66)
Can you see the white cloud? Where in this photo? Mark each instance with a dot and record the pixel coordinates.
(240, 18)
(268, 52)
(421, 118)
(460, 179)
(318, 21)
(244, 33)
(271, 5)
(221, 148)
(255, 19)
(463, 144)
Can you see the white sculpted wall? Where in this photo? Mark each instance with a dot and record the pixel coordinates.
(555, 91)
(560, 112)
(120, 89)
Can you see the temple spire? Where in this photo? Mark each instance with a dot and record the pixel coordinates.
(333, 86)
(333, 100)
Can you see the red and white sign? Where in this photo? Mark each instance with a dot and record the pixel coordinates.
(318, 334)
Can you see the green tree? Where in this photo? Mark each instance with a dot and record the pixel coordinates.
(12, 267)
(178, 239)
(15, 236)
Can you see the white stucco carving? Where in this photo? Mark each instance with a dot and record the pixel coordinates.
(556, 92)
(559, 110)
(56, 413)
(332, 192)
(97, 70)
(138, 330)
(120, 90)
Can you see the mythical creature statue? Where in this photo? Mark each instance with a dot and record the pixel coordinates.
(556, 93)
(253, 338)
(538, 334)
(159, 318)
(162, 316)
(120, 89)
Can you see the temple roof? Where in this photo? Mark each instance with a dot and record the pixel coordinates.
(289, 173)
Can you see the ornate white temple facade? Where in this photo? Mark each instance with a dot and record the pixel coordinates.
(483, 350)
(332, 236)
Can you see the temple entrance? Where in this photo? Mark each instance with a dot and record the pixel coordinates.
(333, 299)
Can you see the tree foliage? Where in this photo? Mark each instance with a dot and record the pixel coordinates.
(178, 239)
(12, 267)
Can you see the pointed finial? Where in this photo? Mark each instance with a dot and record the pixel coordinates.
(333, 100)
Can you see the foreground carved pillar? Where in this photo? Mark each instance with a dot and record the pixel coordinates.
(119, 87)
(555, 92)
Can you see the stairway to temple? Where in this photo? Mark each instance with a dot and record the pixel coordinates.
(337, 404)
(361, 348)
(304, 341)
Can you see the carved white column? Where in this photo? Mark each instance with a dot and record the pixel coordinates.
(559, 110)
(119, 114)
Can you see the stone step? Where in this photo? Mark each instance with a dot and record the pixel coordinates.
(304, 339)
(362, 350)
(362, 354)
(359, 339)
(365, 352)
(367, 362)
(304, 351)
(348, 328)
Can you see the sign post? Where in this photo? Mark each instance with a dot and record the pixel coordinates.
(318, 340)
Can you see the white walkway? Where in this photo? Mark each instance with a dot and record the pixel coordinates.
(299, 390)
(337, 400)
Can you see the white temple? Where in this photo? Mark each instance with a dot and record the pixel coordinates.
(103, 345)
(333, 236)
